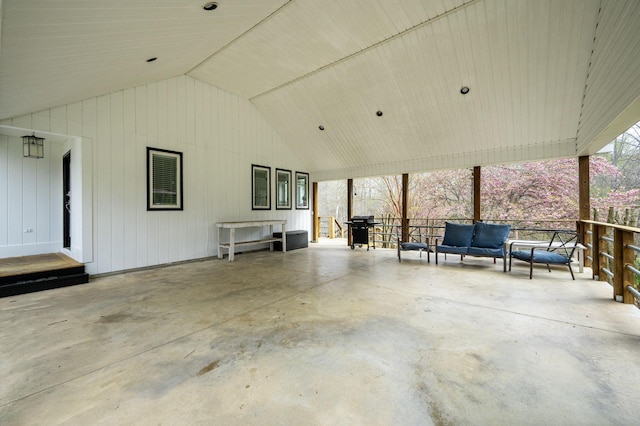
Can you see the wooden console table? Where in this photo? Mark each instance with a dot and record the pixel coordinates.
(232, 226)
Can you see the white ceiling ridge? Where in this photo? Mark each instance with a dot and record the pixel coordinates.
(368, 48)
(586, 77)
(226, 46)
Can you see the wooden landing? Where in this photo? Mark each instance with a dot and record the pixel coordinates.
(26, 274)
(23, 265)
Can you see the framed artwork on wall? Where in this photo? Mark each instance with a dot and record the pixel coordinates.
(260, 187)
(283, 189)
(302, 191)
(164, 179)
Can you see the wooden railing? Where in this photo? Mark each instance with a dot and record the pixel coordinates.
(426, 230)
(613, 252)
(329, 227)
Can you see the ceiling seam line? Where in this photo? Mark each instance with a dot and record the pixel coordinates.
(586, 78)
(373, 46)
(271, 15)
(446, 156)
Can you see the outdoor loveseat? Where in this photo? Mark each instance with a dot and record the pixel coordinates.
(480, 239)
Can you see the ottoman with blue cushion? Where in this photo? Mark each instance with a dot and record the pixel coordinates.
(412, 246)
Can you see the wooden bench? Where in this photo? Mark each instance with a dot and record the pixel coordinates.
(232, 243)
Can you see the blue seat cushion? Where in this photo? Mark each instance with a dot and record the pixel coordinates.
(541, 256)
(414, 246)
(457, 235)
(451, 249)
(485, 252)
(489, 235)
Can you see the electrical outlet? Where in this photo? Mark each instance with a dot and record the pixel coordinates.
(28, 230)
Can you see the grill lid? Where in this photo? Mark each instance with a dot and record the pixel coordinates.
(362, 219)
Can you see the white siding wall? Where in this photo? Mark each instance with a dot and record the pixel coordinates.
(220, 136)
(30, 197)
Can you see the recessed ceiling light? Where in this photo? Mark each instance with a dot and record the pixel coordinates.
(379, 113)
(151, 59)
(321, 127)
(464, 90)
(212, 5)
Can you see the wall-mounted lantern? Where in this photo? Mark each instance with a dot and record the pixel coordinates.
(32, 146)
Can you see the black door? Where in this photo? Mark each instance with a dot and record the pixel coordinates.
(66, 200)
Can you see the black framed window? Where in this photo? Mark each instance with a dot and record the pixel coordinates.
(260, 187)
(302, 191)
(283, 189)
(164, 179)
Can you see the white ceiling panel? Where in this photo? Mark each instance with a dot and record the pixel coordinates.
(547, 77)
(56, 52)
(307, 35)
(415, 79)
(613, 76)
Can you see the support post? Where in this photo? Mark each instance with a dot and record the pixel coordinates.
(584, 202)
(316, 218)
(405, 207)
(476, 194)
(349, 207)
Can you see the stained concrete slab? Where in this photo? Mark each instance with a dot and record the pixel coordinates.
(324, 335)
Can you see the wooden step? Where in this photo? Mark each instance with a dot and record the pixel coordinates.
(26, 274)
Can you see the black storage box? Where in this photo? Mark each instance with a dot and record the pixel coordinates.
(295, 240)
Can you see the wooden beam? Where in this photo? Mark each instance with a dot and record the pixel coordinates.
(405, 207)
(477, 179)
(584, 203)
(583, 188)
(316, 217)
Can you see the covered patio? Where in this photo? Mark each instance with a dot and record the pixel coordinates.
(326, 335)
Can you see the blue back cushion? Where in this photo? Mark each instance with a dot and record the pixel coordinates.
(458, 235)
(490, 235)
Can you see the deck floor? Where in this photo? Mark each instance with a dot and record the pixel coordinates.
(322, 336)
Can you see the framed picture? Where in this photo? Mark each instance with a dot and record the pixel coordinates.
(260, 187)
(283, 189)
(164, 179)
(302, 191)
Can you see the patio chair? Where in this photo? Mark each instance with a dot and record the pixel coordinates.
(412, 246)
(559, 251)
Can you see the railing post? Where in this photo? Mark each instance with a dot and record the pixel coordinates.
(595, 255)
(332, 227)
(618, 264)
(318, 227)
(628, 258)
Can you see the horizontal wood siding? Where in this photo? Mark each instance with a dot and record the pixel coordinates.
(220, 136)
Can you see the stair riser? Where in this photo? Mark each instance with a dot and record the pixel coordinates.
(14, 289)
(40, 275)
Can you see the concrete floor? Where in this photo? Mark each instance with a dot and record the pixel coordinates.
(322, 336)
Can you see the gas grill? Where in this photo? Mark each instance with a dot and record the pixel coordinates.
(359, 227)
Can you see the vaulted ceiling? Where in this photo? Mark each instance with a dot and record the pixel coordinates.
(546, 78)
